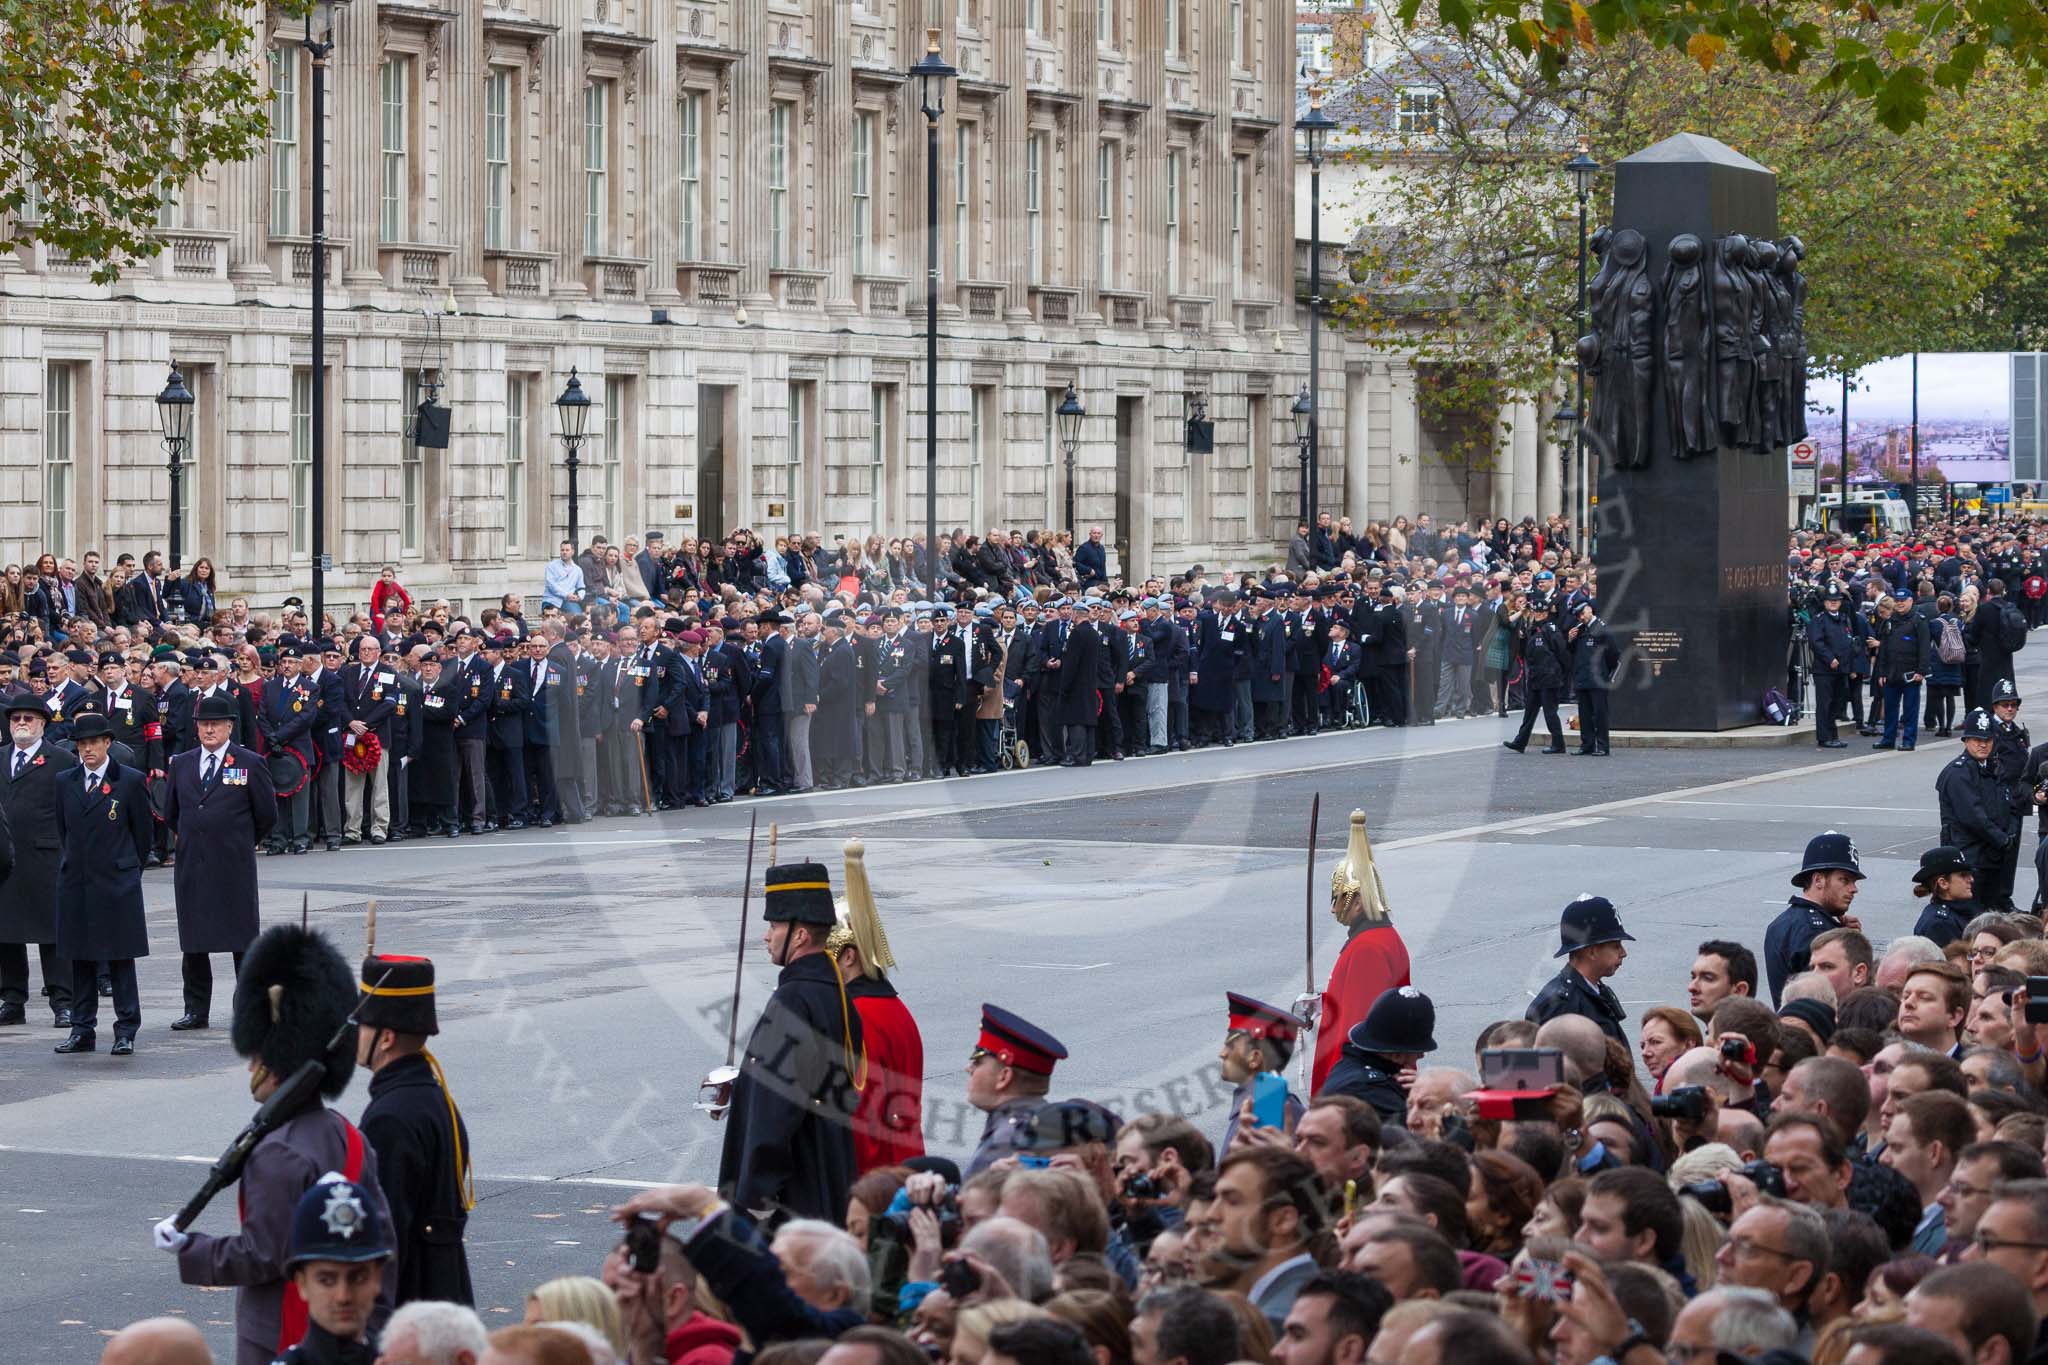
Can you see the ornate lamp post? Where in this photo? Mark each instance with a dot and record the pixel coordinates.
(1070, 413)
(572, 416)
(932, 74)
(1315, 128)
(174, 418)
(319, 44)
(1304, 414)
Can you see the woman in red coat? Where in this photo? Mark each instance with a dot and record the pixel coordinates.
(1374, 959)
(888, 1127)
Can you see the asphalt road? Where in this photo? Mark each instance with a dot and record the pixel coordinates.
(585, 976)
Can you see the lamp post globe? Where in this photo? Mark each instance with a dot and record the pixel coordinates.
(572, 418)
(1070, 414)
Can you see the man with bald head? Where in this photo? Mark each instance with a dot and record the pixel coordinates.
(157, 1341)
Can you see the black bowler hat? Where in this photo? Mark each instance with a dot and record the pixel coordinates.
(91, 725)
(1828, 852)
(21, 699)
(399, 995)
(1401, 1020)
(214, 706)
(800, 893)
(1588, 922)
(1938, 862)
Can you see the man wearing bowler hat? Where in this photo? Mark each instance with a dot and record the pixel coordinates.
(789, 1134)
(221, 804)
(1008, 1073)
(28, 897)
(1591, 939)
(1826, 879)
(422, 1144)
(104, 826)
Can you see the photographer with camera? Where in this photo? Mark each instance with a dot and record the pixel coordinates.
(1157, 1156)
(1696, 1089)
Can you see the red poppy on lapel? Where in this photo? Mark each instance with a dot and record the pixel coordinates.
(37, 762)
(106, 790)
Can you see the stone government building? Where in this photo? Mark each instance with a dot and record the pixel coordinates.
(714, 210)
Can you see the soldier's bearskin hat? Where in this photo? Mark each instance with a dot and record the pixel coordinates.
(294, 992)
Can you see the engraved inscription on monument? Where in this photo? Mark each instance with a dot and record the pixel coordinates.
(1659, 647)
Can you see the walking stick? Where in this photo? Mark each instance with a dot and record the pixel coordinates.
(640, 749)
(370, 928)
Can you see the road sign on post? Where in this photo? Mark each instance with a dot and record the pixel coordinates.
(1805, 455)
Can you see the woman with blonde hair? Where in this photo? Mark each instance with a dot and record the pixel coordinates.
(972, 1326)
(579, 1298)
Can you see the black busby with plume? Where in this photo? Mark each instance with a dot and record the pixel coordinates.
(293, 994)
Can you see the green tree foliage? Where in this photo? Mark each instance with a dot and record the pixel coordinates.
(1898, 57)
(107, 106)
(1468, 255)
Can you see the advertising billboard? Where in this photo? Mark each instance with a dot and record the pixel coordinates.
(1965, 420)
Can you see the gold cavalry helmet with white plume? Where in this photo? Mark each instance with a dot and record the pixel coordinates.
(1357, 874)
(860, 923)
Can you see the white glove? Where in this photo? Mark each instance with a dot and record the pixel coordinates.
(166, 1237)
(1308, 1007)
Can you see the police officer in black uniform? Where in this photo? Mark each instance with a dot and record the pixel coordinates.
(1590, 941)
(2010, 744)
(1395, 1034)
(1946, 879)
(422, 1144)
(336, 1226)
(1977, 816)
(1835, 638)
(1827, 882)
(1547, 665)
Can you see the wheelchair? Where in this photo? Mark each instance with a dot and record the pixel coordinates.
(1011, 750)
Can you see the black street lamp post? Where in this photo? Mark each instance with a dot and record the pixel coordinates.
(1582, 168)
(572, 413)
(1304, 414)
(319, 44)
(174, 418)
(932, 74)
(1070, 413)
(1315, 129)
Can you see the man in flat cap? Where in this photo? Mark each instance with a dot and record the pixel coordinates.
(422, 1144)
(789, 1139)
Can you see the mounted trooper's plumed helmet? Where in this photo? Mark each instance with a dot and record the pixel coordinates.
(1357, 875)
(860, 923)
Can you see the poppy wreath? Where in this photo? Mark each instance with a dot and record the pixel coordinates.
(362, 754)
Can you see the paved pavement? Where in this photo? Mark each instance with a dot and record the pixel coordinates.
(585, 976)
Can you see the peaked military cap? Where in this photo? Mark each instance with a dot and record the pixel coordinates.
(1018, 1043)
